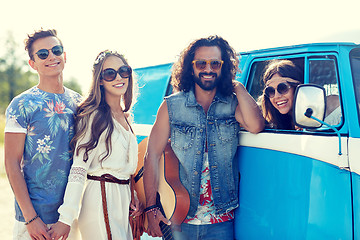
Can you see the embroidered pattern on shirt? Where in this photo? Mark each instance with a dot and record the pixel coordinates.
(77, 174)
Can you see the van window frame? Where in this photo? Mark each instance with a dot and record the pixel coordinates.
(306, 58)
(356, 77)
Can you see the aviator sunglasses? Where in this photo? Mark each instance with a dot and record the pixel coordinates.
(201, 64)
(109, 74)
(44, 53)
(282, 88)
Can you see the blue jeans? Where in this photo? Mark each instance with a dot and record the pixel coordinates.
(216, 231)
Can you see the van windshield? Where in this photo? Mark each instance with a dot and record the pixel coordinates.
(355, 70)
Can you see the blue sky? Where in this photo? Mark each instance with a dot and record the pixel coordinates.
(155, 32)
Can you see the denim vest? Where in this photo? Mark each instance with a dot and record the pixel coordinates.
(190, 129)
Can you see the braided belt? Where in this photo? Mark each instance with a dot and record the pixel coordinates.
(106, 178)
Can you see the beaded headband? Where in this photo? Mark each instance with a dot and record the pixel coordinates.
(103, 55)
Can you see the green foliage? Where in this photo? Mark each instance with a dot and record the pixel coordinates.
(73, 84)
(15, 76)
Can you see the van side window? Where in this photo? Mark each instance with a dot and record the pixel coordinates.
(319, 70)
(355, 70)
(255, 82)
(323, 72)
(169, 88)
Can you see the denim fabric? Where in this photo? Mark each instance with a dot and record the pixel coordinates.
(190, 129)
(217, 231)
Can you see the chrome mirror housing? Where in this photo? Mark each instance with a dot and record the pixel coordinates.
(309, 100)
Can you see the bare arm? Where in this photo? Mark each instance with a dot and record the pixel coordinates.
(14, 148)
(135, 205)
(247, 112)
(158, 139)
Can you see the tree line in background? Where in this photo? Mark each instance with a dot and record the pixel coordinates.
(16, 76)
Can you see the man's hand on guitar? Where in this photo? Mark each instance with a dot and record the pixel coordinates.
(154, 217)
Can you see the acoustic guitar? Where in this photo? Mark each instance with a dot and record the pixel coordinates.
(172, 197)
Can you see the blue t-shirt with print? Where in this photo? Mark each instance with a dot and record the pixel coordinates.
(47, 119)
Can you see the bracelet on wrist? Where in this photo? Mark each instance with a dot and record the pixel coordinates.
(146, 210)
(31, 220)
(153, 210)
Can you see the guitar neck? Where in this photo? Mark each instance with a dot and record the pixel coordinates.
(165, 229)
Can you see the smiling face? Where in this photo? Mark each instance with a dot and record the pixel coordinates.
(282, 102)
(116, 88)
(53, 65)
(207, 79)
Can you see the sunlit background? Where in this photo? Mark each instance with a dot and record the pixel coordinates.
(151, 32)
(155, 32)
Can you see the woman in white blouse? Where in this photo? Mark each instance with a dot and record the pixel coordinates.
(98, 193)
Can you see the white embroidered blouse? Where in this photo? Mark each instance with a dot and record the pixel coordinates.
(121, 163)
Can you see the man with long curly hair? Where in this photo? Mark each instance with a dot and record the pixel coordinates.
(202, 120)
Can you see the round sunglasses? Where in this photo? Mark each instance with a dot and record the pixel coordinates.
(282, 88)
(110, 74)
(44, 53)
(201, 64)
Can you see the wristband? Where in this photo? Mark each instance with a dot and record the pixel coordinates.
(150, 208)
(154, 210)
(31, 220)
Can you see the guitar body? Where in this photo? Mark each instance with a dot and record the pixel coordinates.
(172, 195)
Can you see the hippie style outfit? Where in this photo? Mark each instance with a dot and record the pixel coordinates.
(87, 187)
(205, 145)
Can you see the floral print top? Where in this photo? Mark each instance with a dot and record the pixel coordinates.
(205, 213)
(47, 119)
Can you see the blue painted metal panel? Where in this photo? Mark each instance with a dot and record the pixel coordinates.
(301, 48)
(152, 82)
(287, 196)
(356, 204)
(347, 89)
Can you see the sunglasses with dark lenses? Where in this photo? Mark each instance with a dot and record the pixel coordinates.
(110, 74)
(44, 53)
(214, 64)
(282, 88)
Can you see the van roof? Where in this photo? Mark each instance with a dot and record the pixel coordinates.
(305, 47)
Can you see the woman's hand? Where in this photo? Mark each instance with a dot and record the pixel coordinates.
(136, 207)
(59, 230)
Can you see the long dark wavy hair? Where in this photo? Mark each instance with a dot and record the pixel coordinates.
(96, 105)
(182, 78)
(284, 68)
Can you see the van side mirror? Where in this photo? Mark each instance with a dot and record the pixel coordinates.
(309, 100)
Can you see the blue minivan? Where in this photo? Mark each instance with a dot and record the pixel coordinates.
(294, 184)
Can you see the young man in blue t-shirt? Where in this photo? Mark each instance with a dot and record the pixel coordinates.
(39, 127)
